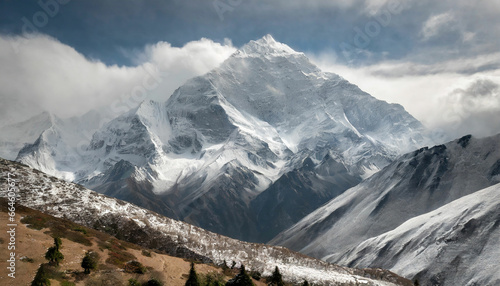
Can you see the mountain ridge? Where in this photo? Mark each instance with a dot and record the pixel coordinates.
(148, 229)
(461, 237)
(415, 184)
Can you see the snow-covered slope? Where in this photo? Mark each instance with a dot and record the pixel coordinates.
(13, 137)
(78, 204)
(456, 244)
(225, 138)
(57, 149)
(415, 184)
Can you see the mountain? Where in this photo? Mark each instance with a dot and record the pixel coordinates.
(456, 244)
(234, 150)
(128, 222)
(14, 136)
(415, 184)
(58, 146)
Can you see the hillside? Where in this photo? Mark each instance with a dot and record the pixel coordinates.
(456, 244)
(150, 230)
(418, 183)
(35, 232)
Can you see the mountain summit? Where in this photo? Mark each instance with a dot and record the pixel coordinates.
(266, 46)
(247, 149)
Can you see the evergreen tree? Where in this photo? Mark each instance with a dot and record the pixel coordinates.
(242, 279)
(90, 261)
(153, 282)
(57, 243)
(305, 283)
(416, 283)
(41, 278)
(193, 277)
(276, 279)
(54, 256)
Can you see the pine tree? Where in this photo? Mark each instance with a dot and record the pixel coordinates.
(153, 282)
(90, 261)
(41, 277)
(276, 279)
(54, 256)
(57, 243)
(242, 279)
(305, 283)
(193, 277)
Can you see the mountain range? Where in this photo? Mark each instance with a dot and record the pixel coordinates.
(427, 209)
(150, 230)
(245, 150)
(267, 147)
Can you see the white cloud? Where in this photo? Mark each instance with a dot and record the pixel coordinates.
(177, 65)
(475, 108)
(463, 65)
(40, 73)
(436, 24)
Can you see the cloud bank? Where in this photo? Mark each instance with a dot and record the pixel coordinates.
(40, 73)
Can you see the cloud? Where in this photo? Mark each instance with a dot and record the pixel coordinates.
(177, 65)
(475, 108)
(40, 73)
(463, 65)
(436, 24)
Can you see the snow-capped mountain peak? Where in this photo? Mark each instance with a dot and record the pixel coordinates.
(266, 46)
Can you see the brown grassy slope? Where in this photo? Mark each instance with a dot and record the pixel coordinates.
(34, 235)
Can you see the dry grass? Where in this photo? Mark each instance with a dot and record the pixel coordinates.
(34, 235)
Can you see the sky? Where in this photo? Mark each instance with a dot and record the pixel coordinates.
(439, 59)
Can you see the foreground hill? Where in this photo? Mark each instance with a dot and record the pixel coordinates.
(35, 232)
(148, 229)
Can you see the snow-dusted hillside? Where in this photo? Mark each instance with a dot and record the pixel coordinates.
(416, 183)
(129, 222)
(456, 244)
(236, 134)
